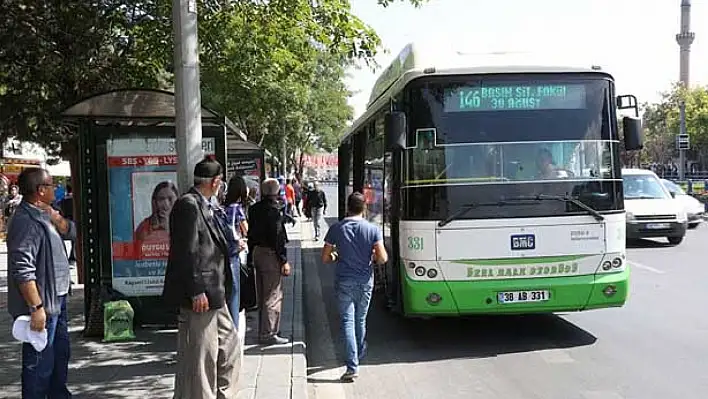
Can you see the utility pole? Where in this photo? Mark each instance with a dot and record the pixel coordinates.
(188, 102)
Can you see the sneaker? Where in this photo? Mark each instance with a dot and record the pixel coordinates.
(274, 340)
(349, 376)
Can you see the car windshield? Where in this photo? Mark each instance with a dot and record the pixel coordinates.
(644, 186)
(673, 187)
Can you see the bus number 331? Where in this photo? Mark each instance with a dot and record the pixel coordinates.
(415, 243)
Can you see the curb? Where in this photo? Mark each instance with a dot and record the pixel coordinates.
(299, 346)
(299, 361)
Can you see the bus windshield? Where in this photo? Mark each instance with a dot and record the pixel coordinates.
(510, 135)
(509, 162)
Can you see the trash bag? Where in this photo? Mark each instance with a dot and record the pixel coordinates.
(118, 321)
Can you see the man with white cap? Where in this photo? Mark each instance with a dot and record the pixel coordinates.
(267, 235)
(38, 284)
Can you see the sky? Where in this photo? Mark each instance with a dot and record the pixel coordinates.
(634, 40)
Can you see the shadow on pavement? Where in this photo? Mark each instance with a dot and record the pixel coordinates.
(132, 369)
(394, 339)
(645, 243)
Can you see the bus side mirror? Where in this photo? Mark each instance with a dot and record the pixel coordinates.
(632, 128)
(395, 130)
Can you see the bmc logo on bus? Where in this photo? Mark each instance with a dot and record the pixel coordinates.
(523, 241)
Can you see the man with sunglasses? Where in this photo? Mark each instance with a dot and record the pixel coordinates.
(39, 281)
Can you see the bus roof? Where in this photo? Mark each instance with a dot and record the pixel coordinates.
(435, 59)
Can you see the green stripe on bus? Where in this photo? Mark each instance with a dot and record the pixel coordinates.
(519, 261)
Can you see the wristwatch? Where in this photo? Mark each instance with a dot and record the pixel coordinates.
(36, 308)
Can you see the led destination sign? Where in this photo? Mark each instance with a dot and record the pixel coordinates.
(515, 98)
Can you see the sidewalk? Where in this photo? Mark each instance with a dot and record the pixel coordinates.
(279, 371)
(144, 368)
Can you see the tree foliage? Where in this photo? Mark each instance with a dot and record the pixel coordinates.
(662, 124)
(52, 54)
(273, 67)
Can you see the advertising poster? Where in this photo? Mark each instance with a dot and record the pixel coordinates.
(142, 177)
(249, 169)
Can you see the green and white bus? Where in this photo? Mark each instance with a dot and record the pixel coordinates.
(498, 188)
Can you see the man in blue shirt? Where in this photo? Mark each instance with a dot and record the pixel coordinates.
(354, 245)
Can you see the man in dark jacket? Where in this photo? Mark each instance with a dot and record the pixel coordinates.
(198, 281)
(267, 235)
(316, 203)
(38, 283)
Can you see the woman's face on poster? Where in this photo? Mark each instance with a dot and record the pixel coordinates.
(163, 202)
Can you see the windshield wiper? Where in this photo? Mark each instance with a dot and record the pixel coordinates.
(565, 198)
(462, 210)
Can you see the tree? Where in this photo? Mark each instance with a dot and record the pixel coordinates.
(326, 112)
(53, 54)
(256, 57)
(662, 124)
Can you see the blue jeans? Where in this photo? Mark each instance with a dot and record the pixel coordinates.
(235, 301)
(353, 299)
(44, 373)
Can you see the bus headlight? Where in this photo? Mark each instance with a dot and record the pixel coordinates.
(420, 271)
(612, 263)
(432, 273)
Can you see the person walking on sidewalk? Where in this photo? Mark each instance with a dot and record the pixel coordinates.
(354, 245)
(198, 280)
(298, 195)
(290, 198)
(316, 202)
(39, 281)
(267, 236)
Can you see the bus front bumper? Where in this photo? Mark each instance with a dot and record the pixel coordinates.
(567, 294)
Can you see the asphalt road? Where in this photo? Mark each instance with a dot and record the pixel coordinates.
(654, 347)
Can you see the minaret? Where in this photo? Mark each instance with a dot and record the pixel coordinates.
(685, 39)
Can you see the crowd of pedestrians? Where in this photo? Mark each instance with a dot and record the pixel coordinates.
(227, 255)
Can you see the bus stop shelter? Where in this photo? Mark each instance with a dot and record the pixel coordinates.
(246, 159)
(126, 185)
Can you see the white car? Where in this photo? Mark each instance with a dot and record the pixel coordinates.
(651, 210)
(694, 208)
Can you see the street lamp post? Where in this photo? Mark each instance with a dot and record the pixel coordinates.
(188, 104)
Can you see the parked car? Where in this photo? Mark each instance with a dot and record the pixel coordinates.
(694, 208)
(651, 210)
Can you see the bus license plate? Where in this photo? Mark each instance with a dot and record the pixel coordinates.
(524, 296)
